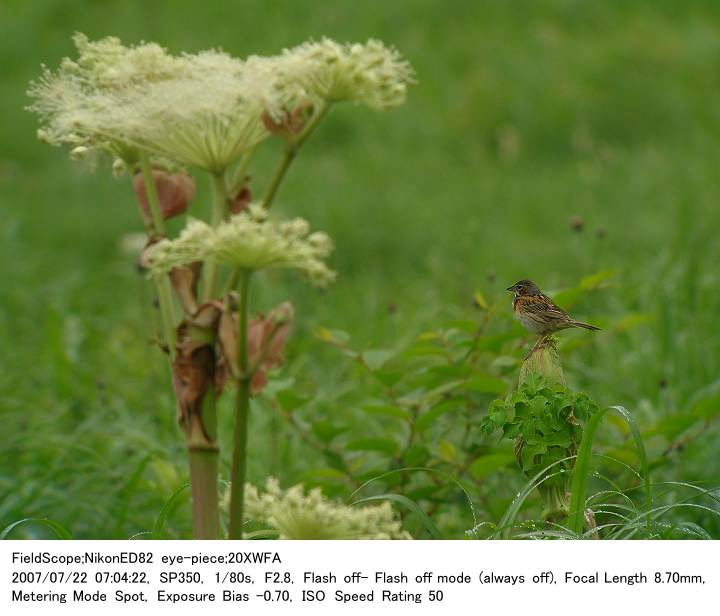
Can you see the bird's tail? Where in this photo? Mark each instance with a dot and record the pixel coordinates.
(584, 325)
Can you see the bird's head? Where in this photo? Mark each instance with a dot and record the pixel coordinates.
(525, 287)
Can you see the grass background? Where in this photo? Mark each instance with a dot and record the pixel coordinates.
(525, 114)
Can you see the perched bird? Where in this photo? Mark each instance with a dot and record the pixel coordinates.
(538, 313)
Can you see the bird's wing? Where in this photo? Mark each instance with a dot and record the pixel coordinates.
(544, 306)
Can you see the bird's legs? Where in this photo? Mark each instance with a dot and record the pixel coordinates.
(537, 345)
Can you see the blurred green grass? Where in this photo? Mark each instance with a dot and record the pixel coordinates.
(525, 115)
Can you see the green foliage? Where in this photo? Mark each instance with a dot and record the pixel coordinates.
(547, 422)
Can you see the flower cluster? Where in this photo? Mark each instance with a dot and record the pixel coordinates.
(250, 241)
(202, 109)
(369, 74)
(297, 515)
(78, 104)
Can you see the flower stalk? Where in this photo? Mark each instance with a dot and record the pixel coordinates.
(164, 291)
(292, 145)
(242, 411)
(219, 213)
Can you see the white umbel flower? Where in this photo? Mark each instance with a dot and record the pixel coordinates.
(200, 110)
(297, 515)
(370, 74)
(79, 103)
(206, 109)
(206, 118)
(250, 241)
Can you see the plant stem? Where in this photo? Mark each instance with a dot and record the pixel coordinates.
(203, 479)
(164, 290)
(203, 454)
(219, 213)
(242, 410)
(292, 146)
(153, 202)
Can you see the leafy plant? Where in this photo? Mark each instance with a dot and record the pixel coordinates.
(546, 422)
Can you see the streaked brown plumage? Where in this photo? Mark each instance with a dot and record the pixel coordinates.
(538, 313)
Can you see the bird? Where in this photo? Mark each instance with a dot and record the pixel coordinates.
(538, 313)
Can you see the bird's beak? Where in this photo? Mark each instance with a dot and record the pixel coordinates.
(512, 288)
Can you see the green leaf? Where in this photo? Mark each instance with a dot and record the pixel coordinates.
(487, 464)
(289, 400)
(323, 474)
(386, 409)
(428, 417)
(326, 431)
(333, 336)
(425, 350)
(276, 385)
(464, 325)
(334, 459)
(707, 408)
(376, 358)
(58, 529)
(494, 342)
(446, 450)
(672, 426)
(485, 384)
(383, 445)
(389, 378)
(416, 455)
(595, 280)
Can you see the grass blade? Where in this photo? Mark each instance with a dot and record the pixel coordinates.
(508, 519)
(411, 506)
(58, 529)
(581, 472)
(159, 528)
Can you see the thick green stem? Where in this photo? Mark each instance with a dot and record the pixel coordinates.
(164, 290)
(219, 213)
(242, 411)
(292, 146)
(205, 506)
